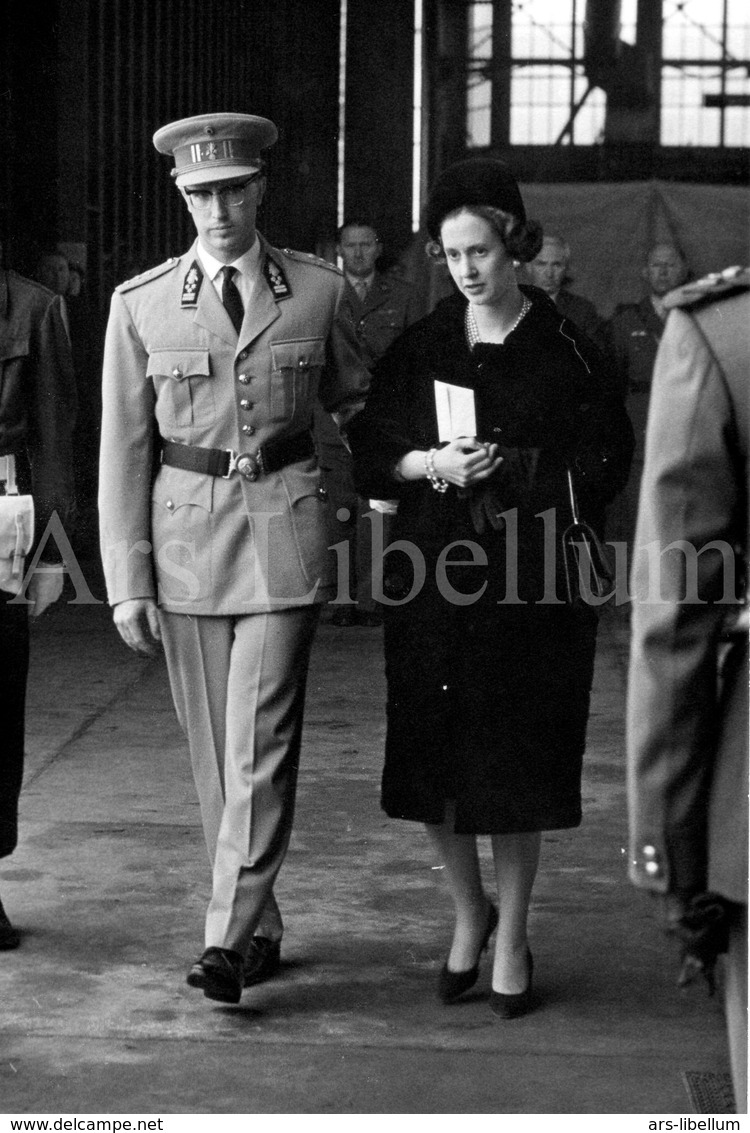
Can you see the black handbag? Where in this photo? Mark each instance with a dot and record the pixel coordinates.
(589, 576)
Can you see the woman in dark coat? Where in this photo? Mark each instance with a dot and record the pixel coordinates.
(488, 666)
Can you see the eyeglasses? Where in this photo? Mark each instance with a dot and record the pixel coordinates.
(232, 196)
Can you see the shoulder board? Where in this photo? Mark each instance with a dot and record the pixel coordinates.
(147, 276)
(717, 285)
(308, 258)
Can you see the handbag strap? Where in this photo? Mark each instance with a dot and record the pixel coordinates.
(572, 496)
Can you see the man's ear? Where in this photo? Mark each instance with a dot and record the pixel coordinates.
(262, 182)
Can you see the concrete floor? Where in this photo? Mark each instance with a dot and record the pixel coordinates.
(110, 882)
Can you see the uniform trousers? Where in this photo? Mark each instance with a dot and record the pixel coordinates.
(14, 666)
(238, 685)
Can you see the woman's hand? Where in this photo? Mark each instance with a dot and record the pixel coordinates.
(465, 462)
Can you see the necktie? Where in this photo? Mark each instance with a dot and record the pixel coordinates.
(361, 288)
(231, 298)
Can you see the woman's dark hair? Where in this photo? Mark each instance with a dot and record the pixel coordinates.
(521, 239)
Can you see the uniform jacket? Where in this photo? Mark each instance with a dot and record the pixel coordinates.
(388, 309)
(688, 730)
(631, 340)
(633, 335)
(175, 368)
(581, 312)
(37, 397)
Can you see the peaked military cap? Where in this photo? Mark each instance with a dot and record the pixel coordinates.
(215, 147)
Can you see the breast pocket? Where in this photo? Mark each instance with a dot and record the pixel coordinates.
(294, 381)
(184, 388)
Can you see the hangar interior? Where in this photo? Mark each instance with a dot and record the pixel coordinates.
(622, 118)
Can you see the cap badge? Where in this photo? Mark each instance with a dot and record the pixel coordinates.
(192, 285)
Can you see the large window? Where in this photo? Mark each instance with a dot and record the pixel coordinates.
(705, 85)
(550, 97)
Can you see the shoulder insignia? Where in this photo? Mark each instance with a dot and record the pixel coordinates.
(191, 285)
(719, 284)
(276, 279)
(147, 276)
(309, 258)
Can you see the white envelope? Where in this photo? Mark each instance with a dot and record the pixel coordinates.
(456, 414)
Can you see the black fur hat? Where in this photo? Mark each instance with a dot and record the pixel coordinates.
(488, 182)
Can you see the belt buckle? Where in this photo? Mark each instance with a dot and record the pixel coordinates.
(232, 466)
(248, 466)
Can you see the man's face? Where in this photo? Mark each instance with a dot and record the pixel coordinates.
(359, 248)
(665, 270)
(548, 269)
(225, 230)
(54, 273)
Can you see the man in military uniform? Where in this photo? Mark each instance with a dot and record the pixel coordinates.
(380, 307)
(37, 415)
(223, 556)
(688, 689)
(549, 271)
(631, 339)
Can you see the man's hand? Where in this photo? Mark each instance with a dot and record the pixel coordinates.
(137, 622)
(45, 587)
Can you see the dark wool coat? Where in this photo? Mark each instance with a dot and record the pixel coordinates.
(489, 669)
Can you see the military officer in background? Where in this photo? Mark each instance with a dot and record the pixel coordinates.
(550, 271)
(380, 307)
(631, 340)
(687, 721)
(223, 555)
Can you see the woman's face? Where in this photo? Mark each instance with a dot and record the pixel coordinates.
(478, 261)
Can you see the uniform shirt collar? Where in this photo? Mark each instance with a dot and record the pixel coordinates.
(248, 264)
(355, 279)
(659, 307)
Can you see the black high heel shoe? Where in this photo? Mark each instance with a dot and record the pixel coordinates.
(453, 984)
(511, 1006)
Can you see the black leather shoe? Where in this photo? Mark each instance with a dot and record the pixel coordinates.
(218, 974)
(511, 1006)
(263, 960)
(9, 937)
(452, 984)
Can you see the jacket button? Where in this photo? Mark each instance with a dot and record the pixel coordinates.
(248, 430)
(169, 505)
(242, 355)
(244, 379)
(245, 404)
(177, 372)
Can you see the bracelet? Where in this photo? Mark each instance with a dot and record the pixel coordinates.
(437, 482)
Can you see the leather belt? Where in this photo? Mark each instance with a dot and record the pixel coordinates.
(270, 457)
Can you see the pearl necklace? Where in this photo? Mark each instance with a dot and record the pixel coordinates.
(472, 331)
